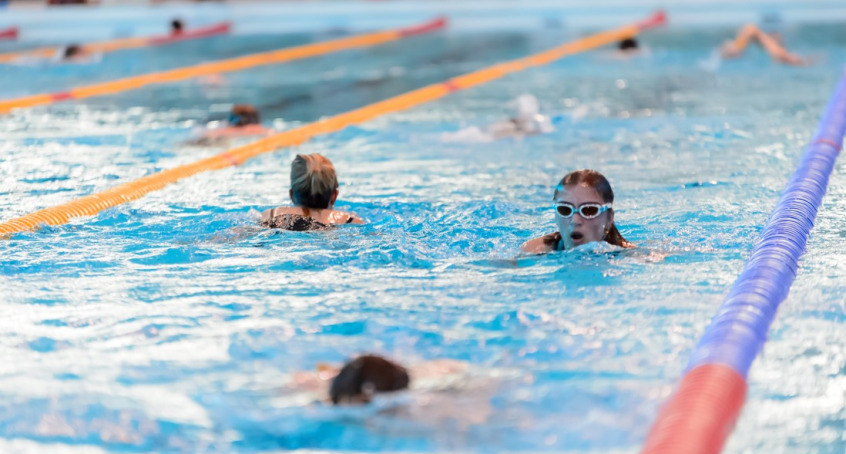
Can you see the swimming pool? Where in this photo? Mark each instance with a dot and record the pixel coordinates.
(171, 324)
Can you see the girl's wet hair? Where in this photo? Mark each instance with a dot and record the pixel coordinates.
(313, 181)
(597, 181)
(366, 375)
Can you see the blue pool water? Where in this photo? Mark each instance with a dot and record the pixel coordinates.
(173, 324)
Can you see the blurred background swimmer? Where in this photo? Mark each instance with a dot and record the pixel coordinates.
(627, 49)
(243, 121)
(527, 122)
(583, 212)
(70, 54)
(314, 190)
(770, 42)
(176, 27)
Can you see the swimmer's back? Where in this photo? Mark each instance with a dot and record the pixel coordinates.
(303, 219)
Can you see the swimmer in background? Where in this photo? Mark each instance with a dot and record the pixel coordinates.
(75, 53)
(628, 46)
(243, 121)
(770, 42)
(314, 190)
(583, 212)
(176, 27)
(527, 122)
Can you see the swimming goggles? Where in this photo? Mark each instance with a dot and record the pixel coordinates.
(586, 210)
(235, 119)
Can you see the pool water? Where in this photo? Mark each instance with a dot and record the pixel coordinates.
(174, 324)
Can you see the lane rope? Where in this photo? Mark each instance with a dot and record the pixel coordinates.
(700, 415)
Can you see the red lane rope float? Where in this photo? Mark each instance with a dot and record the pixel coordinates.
(92, 204)
(222, 66)
(127, 43)
(9, 33)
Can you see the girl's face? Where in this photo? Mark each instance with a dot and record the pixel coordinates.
(576, 230)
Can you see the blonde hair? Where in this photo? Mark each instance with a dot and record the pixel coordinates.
(313, 181)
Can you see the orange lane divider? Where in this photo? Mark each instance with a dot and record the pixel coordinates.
(229, 65)
(92, 204)
(126, 43)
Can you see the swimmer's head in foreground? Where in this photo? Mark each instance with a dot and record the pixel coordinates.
(364, 376)
(583, 210)
(628, 45)
(583, 204)
(244, 115)
(314, 183)
(314, 190)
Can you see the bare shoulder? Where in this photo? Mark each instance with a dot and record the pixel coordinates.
(268, 214)
(344, 217)
(540, 245)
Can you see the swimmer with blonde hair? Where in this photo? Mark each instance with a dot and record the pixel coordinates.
(770, 43)
(314, 190)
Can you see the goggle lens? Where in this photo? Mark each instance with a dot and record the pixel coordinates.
(565, 210)
(589, 211)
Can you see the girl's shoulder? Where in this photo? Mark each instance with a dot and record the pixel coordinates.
(543, 244)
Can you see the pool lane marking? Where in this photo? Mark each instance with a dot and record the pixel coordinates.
(701, 414)
(222, 66)
(92, 204)
(125, 43)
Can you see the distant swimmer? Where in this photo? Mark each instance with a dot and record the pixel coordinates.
(584, 214)
(527, 122)
(243, 121)
(176, 27)
(628, 45)
(770, 42)
(75, 53)
(70, 52)
(314, 190)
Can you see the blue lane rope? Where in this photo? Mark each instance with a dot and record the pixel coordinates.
(737, 333)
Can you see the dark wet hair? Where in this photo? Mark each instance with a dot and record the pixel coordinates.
(243, 115)
(176, 26)
(71, 51)
(628, 44)
(366, 375)
(600, 184)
